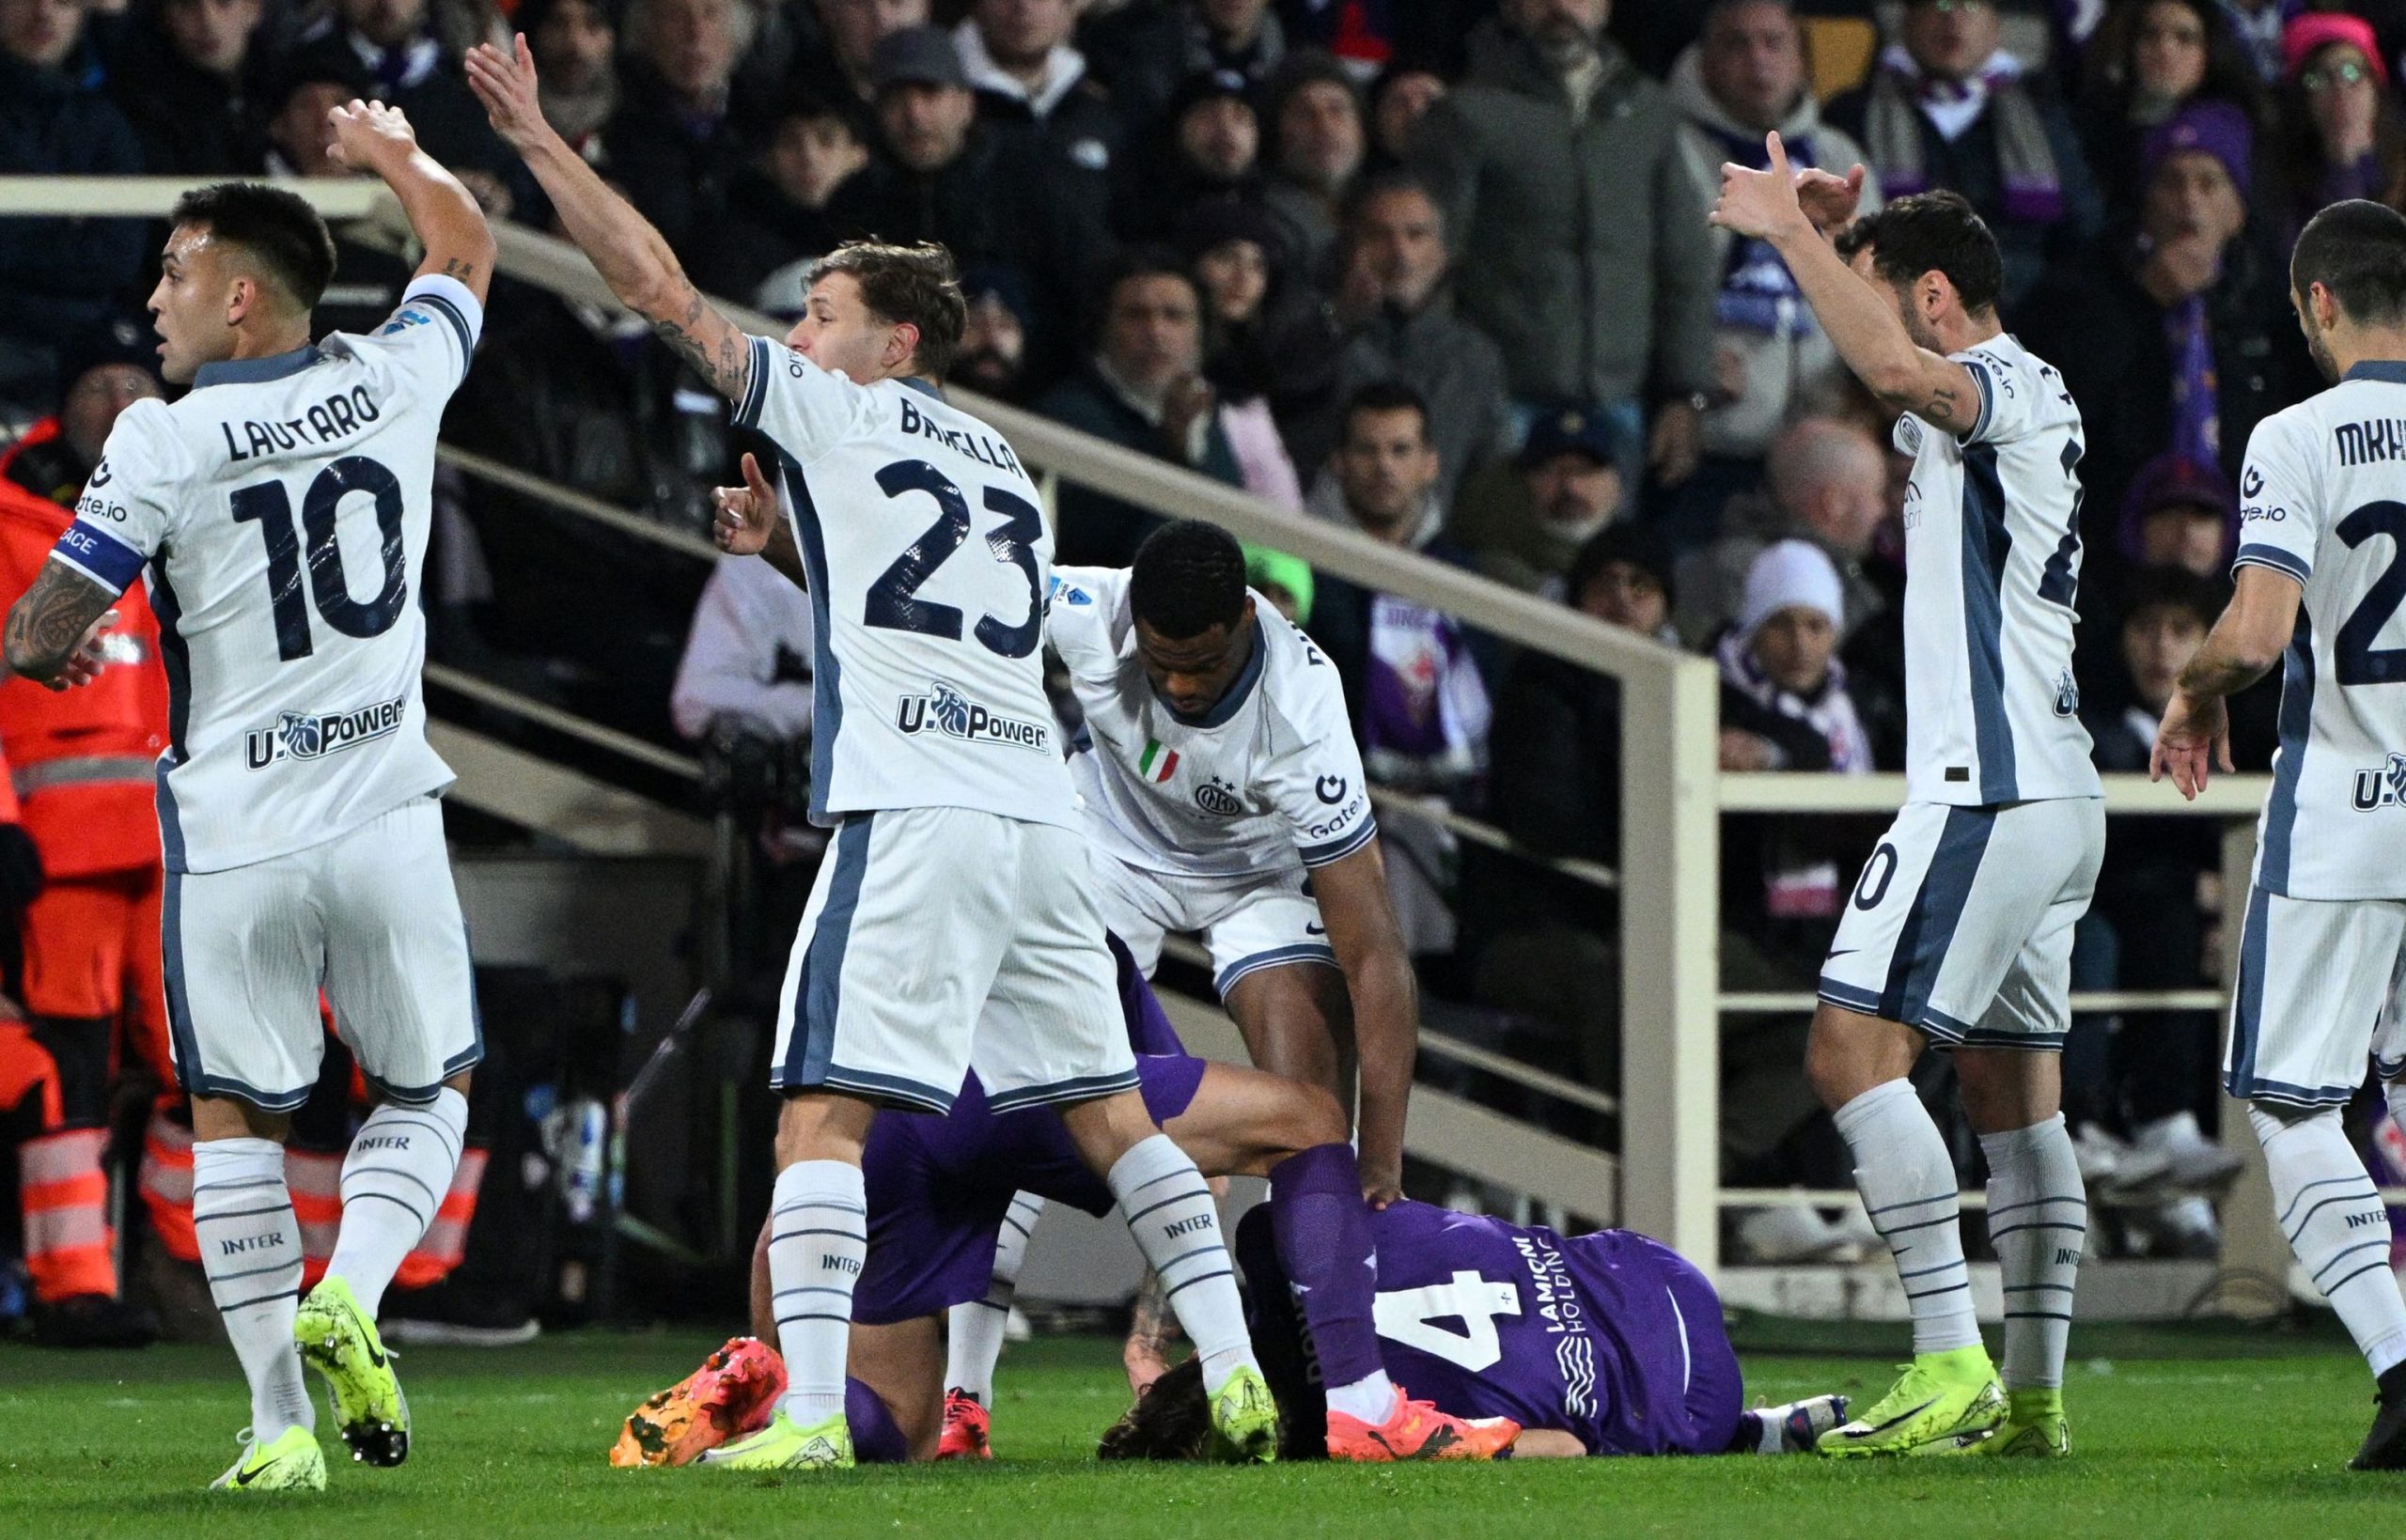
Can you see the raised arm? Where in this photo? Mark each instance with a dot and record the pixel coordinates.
(1863, 325)
(371, 136)
(632, 256)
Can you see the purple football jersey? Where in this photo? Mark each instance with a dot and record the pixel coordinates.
(1609, 1337)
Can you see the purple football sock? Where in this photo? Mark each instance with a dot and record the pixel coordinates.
(875, 1438)
(1323, 1234)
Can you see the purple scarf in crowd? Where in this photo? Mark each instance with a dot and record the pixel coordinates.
(1991, 101)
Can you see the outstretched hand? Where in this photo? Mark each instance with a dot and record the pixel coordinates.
(747, 515)
(2194, 739)
(1829, 200)
(505, 83)
(366, 133)
(1761, 204)
(90, 656)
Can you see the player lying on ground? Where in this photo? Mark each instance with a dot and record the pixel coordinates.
(302, 839)
(951, 924)
(938, 1188)
(1959, 932)
(1601, 1343)
(2323, 536)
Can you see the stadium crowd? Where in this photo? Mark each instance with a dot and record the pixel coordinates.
(1435, 270)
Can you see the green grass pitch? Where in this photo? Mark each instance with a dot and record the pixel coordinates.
(511, 1443)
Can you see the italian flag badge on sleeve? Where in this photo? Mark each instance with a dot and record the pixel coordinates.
(1156, 763)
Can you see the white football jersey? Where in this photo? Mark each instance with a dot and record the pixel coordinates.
(1991, 563)
(2323, 499)
(928, 559)
(282, 509)
(1270, 779)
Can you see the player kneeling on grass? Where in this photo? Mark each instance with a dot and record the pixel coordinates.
(940, 1188)
(1601, 1344)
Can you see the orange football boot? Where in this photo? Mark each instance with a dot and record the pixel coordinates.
(965, 1425)
(735, 1392)
(1415, 1430)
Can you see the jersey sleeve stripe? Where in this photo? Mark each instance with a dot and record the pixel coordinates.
(100, 556)
(756, 391)
(2273, 557)
(1979, 373)
(1338, 848)
(450, 312)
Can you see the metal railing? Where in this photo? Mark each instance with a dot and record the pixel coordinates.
(1673, 793)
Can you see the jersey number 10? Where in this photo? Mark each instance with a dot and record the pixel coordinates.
(267, 505)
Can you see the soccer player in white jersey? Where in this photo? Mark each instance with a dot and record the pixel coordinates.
(1959, 932)
(950, 926)
(2321, 570)
(1222, 793)
(281, 511)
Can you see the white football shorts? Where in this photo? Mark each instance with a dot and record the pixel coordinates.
(372, 918)
(1249, 922)
(2317, 995)
(1960, 925)
(939, 939)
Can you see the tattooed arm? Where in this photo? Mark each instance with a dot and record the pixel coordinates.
(55, 628)
(632, 256)
(370, 136)
(1855, 308)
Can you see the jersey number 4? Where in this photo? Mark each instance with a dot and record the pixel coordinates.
(1410, 1317)
(893, 599)
(268, 505)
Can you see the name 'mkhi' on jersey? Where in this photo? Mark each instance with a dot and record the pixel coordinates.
(927, 562)
(1991, 565)
(281, 509)
(1488, 1318)
(1267, 778)
(2322, 499)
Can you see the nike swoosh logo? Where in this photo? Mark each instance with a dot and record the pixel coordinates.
(1901, 1416)
(1845, 953)
(246, 1477)
(1310, 930)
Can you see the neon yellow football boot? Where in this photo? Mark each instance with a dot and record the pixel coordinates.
(1942, 1401)
(1244, 1418)
(290, 1463)
(338, 1339)
(787, 1446)
(2033, 1429)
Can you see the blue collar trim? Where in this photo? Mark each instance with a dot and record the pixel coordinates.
(257, 372)
(1234, 698)
(923, 385)
(2389, 371)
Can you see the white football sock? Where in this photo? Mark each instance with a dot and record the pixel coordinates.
(1907, 1180)
(1372, 1400)
(2038, 1221)
(818, 1240)
(250, 1248)
(393, 1181)
(1170, 1213)
(2337, 1226)
(973, 1332)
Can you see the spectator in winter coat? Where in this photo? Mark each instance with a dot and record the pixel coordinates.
(1590, 264)
(1745, 79)
(187, 74)
(57, 276)
(673, 144)
(1030, 81)
(1318, 138)
(575, 44)
(1947, 108)
(1143, 51)
(1209, 152)
(1569, 489)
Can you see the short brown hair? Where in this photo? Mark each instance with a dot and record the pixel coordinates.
(907, 285)
(275, 226)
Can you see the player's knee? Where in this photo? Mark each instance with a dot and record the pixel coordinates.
(79, 1047)
(2269, 1118)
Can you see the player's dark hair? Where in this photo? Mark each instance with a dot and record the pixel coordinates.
(1170, 1420)
(1188, 577)
(1935, 232)
(274, 227)
(1382, 395)
(907, 285)
(2356, 250)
